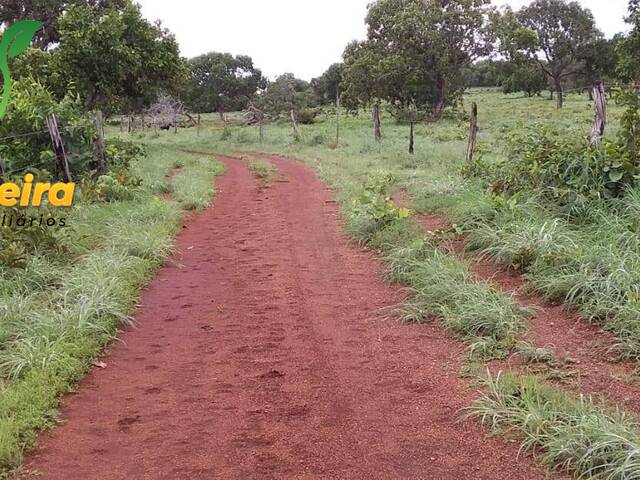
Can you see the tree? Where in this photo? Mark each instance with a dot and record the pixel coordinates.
(550, 32)
(524, 76)
(221, 82)
(598, 62)
(485, 73)
(433, 41)
(327, 86)
(287, 93)
(48, 12)
(117, 58)
(628, 68)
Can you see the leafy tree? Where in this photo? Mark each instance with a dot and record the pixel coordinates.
(628, 68)
(48, 12)
(416, 52)
(117, 58)
(221, 82)
(287, 93)
(524, 76)
(328, 86)
(550, 32)
(485, 73)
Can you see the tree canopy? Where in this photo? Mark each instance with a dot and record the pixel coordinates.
(416, 51)
(222, 82)
(116, 57)
(48, 12)
(549, 32)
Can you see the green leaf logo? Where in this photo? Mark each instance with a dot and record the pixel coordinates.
(15, 40)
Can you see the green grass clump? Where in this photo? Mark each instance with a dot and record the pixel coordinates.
(572, 435)
(443, 288)
(262, 169)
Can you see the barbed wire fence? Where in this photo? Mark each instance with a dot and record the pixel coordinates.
(60, 159)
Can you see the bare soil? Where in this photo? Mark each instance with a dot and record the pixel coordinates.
(261, 352)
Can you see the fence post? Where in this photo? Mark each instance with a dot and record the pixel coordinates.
(473, 132)
(2, 171)
(198, 124)
(599, 96)
(58, 148)
(337, 116)
(294, 125)
(99, 146)
(412, 149)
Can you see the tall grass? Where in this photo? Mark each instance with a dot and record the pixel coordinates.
(572, 435)
(58, 312)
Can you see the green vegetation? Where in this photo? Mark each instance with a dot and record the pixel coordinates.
(262, 169)
(569, 434)
(59, 306)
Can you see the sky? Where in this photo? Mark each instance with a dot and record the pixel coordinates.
(303, 37)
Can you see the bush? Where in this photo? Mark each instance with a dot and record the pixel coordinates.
(373, 208)
(26, 140)
(559, 163)
(307, 116)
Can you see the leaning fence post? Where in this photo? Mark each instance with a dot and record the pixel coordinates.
(473, 132)
(294, 125)
(99, 146)
(600, 101)
(58, 148)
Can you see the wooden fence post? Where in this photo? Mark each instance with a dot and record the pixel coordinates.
(99, 145)
(58, 148)
(337, 117)
(198, 125)
(411, 140)
(473, 132)
(294, 125)
(600, 99)
(2, 171)
(377, 132)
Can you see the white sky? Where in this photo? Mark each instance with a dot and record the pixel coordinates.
(299, 36)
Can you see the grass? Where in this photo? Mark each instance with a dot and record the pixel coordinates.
(61, 310)
(573, 435)
(262, 169)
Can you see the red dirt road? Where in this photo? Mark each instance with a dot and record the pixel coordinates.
(261, 353)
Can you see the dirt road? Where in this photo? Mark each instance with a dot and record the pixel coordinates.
(261, 353)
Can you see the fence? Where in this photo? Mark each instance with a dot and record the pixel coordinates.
(60, 159)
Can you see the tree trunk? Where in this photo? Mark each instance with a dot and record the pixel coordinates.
(99, 145)
(601, 114)
(473, 132)
(221, 112)
(441, 101)
(411, 141)
(377, 132)
(559, 93)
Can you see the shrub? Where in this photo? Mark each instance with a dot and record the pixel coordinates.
(307, 116)
(26, 140)
(559, 163)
